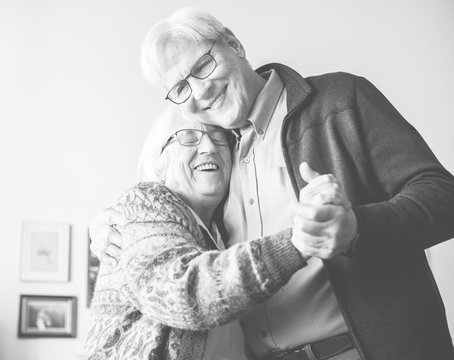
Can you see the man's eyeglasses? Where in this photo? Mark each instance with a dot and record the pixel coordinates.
(193, 137)
(202, 68)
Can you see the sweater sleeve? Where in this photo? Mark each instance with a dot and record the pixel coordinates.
(177, 281)
(419, 212)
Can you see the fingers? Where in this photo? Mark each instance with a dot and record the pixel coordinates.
(307, 173)
(311, 246)
(329, 193)
(103, 224)
(312, 230)
(106, 241)
(111, 216)
(113, 247)
(323, 224)
(300, 245)
(107, 259)
(99, 253)
(321, 189)
(111, 254)
(323, 239)
(319, 214)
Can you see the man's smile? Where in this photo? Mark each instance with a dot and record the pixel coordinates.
(217, 102)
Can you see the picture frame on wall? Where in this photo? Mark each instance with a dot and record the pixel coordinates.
(45, 251)
(47, 316)
(92, 273)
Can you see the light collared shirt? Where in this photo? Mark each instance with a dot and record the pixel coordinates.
(225, 342)
(260, 203)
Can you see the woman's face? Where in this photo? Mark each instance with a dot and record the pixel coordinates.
(200, 173)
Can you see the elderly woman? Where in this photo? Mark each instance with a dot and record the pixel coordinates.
(177, 291)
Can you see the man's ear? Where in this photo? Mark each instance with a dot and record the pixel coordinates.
(235, 44)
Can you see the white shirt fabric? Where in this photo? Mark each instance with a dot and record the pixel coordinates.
(259, 204)
(224, 342)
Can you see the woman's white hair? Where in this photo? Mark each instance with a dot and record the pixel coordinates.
(152, 164)
(185, 24)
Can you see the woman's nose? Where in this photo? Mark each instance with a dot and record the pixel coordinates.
(206, 144)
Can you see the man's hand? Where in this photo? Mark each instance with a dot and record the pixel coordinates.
(321, 189)
(106, 241)
(324, 224)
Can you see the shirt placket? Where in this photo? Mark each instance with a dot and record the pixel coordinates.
(254, 219)
(249, 185)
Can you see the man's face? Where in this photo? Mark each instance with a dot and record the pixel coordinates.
(226, 96)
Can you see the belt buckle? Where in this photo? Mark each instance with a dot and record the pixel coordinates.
(294, 354)
(306, 353)
(303, 353)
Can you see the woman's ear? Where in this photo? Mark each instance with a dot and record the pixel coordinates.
(235, 44)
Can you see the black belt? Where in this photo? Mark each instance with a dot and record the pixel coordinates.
(319, 350)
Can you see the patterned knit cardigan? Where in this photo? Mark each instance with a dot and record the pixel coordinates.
(170, 286)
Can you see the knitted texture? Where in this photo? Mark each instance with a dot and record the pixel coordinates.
(171, 286)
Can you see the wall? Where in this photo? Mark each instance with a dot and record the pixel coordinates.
(75, 110)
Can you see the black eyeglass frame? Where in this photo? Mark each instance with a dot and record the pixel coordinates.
(174, 136)
(185, 80)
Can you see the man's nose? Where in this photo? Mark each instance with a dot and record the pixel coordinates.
(200, 88)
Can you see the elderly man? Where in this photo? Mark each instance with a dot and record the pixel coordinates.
(371, 295)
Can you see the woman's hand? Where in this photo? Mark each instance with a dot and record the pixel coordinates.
(106, 241)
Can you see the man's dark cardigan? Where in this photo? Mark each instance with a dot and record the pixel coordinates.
(402, 197)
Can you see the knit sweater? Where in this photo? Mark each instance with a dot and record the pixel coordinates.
(171, 285)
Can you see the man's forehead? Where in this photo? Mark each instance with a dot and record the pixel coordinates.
(179, 57)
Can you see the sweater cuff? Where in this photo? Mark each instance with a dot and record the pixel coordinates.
(280, 256)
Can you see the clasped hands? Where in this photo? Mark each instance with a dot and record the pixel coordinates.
(324, 224)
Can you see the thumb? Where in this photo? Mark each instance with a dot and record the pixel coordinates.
(307, 173)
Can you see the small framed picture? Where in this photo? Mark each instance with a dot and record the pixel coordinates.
(45, 251)
(92, 273)
(47, 316)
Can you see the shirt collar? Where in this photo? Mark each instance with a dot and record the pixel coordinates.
(266, 102)
(214, 235)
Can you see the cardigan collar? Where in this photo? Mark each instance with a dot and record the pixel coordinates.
(298, 89)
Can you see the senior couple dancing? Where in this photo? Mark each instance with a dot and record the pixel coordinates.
(234, 246)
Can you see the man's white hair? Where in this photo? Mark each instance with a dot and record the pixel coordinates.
(187, 24)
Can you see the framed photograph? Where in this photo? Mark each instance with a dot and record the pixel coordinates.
(92, 273)
(47, 316)
(45, 251)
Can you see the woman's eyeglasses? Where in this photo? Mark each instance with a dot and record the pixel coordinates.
(193, 137)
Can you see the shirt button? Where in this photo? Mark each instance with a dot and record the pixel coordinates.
(251, 201)
(263, 334)
(260, 132)
(246, 160)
